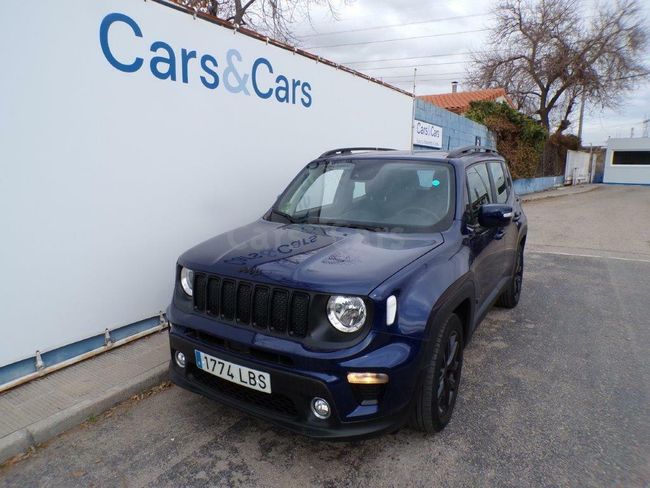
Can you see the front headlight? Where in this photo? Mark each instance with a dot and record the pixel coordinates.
(347, 314)
(187, 280)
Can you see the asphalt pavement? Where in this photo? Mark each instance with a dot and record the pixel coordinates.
(554, 393)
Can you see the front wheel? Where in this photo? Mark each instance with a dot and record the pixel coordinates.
(510, 297)
(436, 396)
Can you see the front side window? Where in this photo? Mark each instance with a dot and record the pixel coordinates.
(478, 189)
(379, 194)
(500, 181)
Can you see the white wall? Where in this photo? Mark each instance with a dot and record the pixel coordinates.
(577, 165)
(618, 173)
(108, 176)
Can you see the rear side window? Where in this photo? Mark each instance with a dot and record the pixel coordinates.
(478, 188)
(500, 181)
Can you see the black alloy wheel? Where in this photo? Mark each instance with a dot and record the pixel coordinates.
(449, 378)
(435, 398)
(510, 297)
(519, 274)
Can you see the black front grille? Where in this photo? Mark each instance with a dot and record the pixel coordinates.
(265, 307)
(238, 348)
(278, 403)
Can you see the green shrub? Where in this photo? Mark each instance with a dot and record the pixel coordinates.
(520, 139)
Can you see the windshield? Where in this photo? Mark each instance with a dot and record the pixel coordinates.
(390, 195)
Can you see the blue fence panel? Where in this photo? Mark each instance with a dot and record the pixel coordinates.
(524, 186)
(457, 131)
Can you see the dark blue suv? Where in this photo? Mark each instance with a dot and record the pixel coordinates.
(343, 312)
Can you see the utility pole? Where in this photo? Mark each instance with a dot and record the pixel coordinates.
(415, 72)
(645, 127)
(582, 115)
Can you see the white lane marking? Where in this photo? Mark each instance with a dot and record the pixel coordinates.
(590, 256)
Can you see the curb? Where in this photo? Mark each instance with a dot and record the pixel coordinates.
(47, 428)
(531, 197)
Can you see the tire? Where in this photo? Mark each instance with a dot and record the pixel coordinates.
(510, 297)
(432, 409)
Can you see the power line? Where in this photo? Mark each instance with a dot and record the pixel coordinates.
(640, 75)
(426, 74)
(388, 26)
(412, 65)
(421, 80)
(627, 124)
(413, 57)
(397, 39)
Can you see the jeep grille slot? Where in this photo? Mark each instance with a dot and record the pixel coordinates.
(213, 296)
(299, 314)
(277, 309)
(228, 299)
(261, 307)
(244, 293)
(199, 291)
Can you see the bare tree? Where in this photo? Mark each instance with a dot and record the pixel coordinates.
(548, 55)
(274, 18)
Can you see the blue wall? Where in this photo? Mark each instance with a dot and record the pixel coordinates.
(457, 131)
(532, 185)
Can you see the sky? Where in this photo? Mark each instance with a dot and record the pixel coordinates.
(453, 29)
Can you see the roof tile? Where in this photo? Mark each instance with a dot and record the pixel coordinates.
(459, 102)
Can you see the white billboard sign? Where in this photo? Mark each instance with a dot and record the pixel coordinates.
(131, 131)
(425, 134)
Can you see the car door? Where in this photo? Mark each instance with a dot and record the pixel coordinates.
(504, 194)
(484, 242)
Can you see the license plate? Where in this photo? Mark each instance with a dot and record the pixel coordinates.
(241, 375)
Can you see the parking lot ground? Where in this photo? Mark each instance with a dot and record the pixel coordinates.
(612, 221)
(554, 393)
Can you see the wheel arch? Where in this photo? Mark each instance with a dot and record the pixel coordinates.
(460, 299)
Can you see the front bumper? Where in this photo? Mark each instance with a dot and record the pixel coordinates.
(295, 385)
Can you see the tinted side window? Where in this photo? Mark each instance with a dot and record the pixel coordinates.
(478, 188)
(500, 182)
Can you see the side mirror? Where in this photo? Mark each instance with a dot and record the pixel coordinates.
(494, 215)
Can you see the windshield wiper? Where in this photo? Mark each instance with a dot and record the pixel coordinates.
(353, 225)
(284, 215)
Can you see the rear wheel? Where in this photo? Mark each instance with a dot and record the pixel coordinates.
(510, 297)
(436, 396)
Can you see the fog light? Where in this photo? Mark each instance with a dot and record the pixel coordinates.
(320, 408)
(180, 359)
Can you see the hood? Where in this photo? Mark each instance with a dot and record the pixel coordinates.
(311, 257)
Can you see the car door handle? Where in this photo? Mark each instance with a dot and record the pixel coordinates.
(499, 233)
(517, 216)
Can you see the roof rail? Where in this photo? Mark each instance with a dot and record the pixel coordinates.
(467, 150)
(348, 150)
